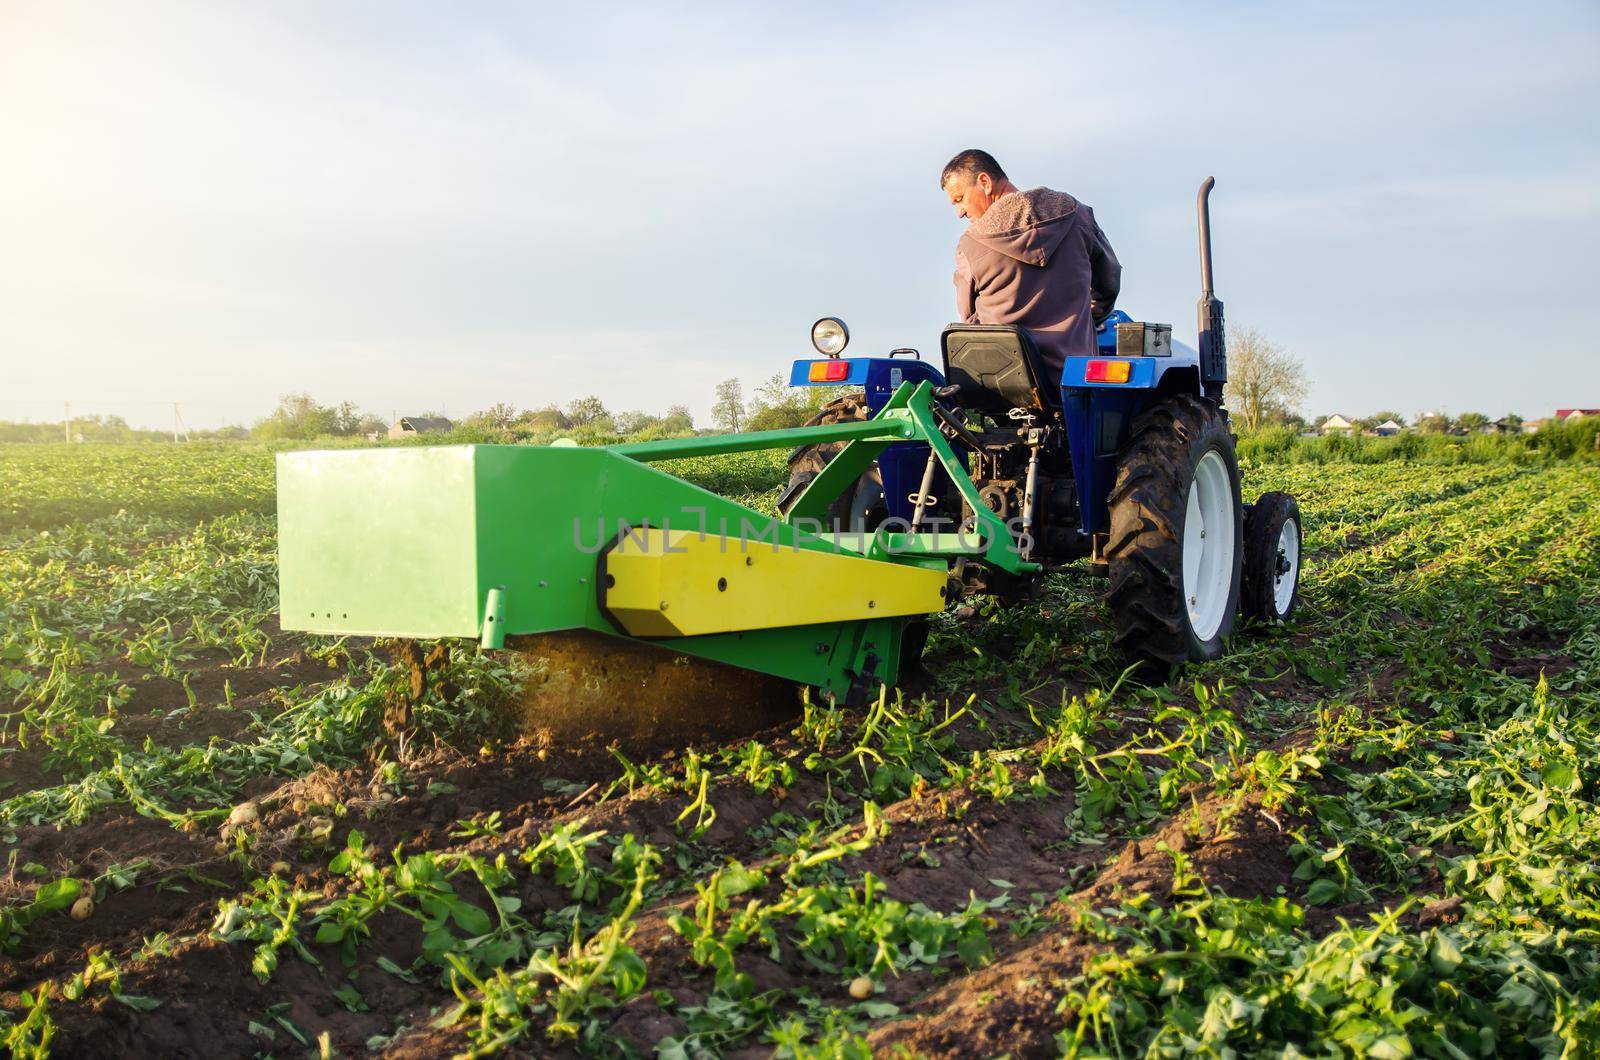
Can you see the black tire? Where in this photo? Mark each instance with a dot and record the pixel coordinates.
(913, 643)
(1149, 505)
(1269, 568)
(858, 510)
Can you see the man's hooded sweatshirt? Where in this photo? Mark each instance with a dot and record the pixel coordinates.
(1036, 258)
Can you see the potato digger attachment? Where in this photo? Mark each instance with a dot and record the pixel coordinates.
(923, 486)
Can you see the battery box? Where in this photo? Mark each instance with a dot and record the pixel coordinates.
(1139, 339)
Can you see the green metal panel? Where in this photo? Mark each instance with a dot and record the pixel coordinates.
(379, 542)
(420, 541)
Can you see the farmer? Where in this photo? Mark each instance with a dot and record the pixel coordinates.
(1033, 258)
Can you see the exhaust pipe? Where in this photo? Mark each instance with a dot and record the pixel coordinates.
(1213, 336)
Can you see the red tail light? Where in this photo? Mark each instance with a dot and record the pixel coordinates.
(1107, 372)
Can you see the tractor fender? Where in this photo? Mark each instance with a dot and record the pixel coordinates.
(1099, 412)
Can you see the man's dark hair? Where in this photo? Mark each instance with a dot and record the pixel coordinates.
(972, 162)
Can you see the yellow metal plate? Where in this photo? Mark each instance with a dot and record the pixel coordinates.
(682, 583)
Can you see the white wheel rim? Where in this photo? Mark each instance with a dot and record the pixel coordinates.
(1286, 566)
(1208, 545)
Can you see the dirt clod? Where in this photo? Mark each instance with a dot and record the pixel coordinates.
(1444, 911)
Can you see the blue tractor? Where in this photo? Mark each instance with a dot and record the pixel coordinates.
(979, 475)
(1127, 461)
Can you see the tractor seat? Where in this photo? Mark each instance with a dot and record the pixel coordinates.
(995, 368)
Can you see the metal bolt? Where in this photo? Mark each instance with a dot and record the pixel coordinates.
(872, 603)
(1194, 601)
(663, 605)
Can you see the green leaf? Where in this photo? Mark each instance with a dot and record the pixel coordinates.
(351, 998)
(1390, 1047)
(735, 880)
(1495, 887)
(294, 1032)
(1519, 994)
(1562, 776)
(974, 949)
(1443, 955)
(395, 970)
(57, 894)
(472, 920)
(1325, 891)
(437, 943)
(138, 1002)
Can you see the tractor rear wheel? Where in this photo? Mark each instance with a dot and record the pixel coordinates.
(1177, 533)
(1271, 558)
(858, 510)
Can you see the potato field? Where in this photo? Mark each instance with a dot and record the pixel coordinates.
(1373, 832)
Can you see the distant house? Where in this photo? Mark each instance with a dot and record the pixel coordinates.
(1387, 428)
(1506, 425)
(410, 426)
(1563, 415)
(1532, 426)
(1337, 424)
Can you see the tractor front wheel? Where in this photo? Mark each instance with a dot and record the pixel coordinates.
(1176, 537)
(1272, 558)
(859, 509)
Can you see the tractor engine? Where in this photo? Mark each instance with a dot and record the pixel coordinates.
(1023, 475)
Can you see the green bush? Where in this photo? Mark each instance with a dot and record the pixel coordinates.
(1572, 441)
(1575, 438)
(1273, 443)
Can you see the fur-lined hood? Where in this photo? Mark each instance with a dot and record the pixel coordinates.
(1027, 225)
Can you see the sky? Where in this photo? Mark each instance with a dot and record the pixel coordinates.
(439, 207)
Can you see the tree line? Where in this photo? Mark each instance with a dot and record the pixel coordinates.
(1267, 388)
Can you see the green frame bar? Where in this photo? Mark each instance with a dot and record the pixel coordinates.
(912, 405)
(720, 444)
(891, 543)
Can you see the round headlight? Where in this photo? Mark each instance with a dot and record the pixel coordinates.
(830, 336)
